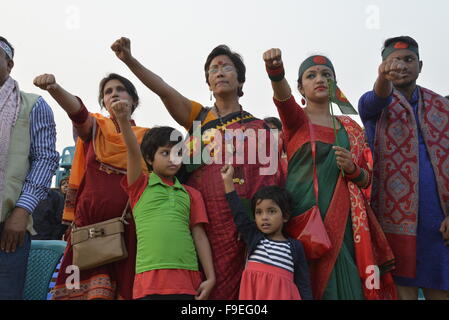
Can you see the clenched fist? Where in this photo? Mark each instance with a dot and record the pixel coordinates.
(273, 58)
(45, 82)
(122, 49)
(391, 69)
(121, 110)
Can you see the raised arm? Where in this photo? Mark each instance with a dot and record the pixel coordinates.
(71, 104)
(245, 226)
(292, 116)
(177, 105)
(122, 112)
(275, 70)
(387, 72)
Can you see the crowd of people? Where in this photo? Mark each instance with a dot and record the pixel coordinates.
(226, 227)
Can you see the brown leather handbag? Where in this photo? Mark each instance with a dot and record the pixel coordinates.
(100, 243)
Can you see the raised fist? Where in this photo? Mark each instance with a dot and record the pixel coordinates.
(227, 172)
(122, 48)
(121, 110)
(273, 58)
(391, 69)
(45, 82)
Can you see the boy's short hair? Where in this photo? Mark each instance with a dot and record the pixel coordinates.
(158, 137)
(277, 194)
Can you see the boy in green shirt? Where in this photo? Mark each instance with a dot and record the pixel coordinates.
(169, 219)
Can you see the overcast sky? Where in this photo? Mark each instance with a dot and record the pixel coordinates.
(72, 39)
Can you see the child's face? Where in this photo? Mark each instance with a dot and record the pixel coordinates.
(269, 219)
(64, 186)
(165, 164)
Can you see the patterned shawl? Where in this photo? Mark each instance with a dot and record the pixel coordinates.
(9, 111)
(396, 169)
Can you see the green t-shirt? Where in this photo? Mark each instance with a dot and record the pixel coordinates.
(162, 217)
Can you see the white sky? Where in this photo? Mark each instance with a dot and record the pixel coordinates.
(71, 39)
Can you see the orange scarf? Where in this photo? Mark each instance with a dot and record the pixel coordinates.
(110, 150)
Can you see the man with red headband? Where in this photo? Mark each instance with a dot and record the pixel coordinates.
(28, 160)
(407, 128)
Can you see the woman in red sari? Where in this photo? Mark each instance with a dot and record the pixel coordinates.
(225, 75)
(358, 263)
(95, 193)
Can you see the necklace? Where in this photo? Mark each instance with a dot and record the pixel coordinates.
(220, 118)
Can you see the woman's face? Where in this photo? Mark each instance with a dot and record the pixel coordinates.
(314, 83)
(114, 91)
(222, 76)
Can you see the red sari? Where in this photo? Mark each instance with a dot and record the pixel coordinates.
(95, 195)
(228, 251)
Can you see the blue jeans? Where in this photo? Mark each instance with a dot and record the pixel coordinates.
(13, 267)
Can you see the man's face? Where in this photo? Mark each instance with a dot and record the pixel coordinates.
(5, 67)
(412, 67)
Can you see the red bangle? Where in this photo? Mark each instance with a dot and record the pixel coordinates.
(81, 116)
(276, 74)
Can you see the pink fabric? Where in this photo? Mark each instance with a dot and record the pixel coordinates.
(9, 111)
(265, 282)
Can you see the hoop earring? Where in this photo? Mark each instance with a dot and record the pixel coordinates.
(303, 101)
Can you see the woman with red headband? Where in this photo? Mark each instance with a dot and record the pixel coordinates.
(327, 171)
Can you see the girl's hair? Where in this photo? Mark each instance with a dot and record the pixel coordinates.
(274, 121)
(277, 194)
(130, 88)
(237, 60)
(155, 138)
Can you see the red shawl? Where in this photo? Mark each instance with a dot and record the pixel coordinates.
(396, 169)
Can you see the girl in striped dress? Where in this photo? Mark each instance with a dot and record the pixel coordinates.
(276, 267)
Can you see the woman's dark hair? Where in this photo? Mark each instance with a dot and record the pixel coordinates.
(277, 194)
(130, 88)
(7, 42)
(236, 59)
(157, 137)
(274, 121)
(405, 39)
